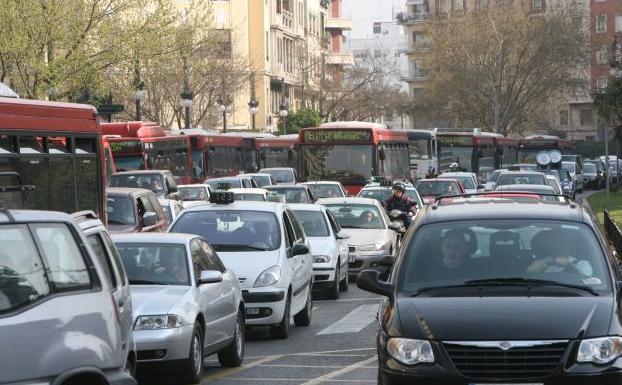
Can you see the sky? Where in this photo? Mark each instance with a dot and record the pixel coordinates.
(366, 12)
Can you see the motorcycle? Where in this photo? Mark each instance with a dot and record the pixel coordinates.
(398, 224)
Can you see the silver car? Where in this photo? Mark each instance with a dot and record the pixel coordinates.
(367, 224)
(187, 305)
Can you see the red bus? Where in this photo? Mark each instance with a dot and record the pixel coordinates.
(58, 148)
(278, 151)
(146, 146)
(353, 152)
(474, 151)
(530, 146)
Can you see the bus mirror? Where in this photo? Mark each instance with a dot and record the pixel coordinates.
(382, 154)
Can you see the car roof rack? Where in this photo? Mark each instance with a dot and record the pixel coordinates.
(439, 199)
(19, 187)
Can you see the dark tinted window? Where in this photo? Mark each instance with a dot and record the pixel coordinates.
(87, 174)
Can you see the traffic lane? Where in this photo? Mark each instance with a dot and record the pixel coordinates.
(338, 347)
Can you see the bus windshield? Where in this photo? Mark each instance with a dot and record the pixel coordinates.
(462, 155)
(349, 164)
(129, 163)
(419, 148)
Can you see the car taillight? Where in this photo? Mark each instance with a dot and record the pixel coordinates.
(116, 309)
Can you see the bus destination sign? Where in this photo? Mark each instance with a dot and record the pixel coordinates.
(331, 136)
(126, 146)
(455, 140)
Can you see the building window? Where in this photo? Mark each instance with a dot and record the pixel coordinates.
(458, 5)
(537, 5)
(442, 6)
(601, 55)
(563, 118)
(601, 23)
(601, 83)
(618, 23)
(482, 4)
(587, 117)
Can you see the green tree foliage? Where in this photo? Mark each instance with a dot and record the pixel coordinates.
(609, 105)
(303, 118)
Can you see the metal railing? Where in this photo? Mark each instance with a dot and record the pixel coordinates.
(613, 232)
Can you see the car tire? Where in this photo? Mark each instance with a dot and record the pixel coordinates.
(192, 368)
(281, 331)
(333, 291)
(233, 355)
(304, 317)
(345, 282)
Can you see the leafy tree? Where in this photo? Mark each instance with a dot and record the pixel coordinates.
(303, 118)
(608, 102)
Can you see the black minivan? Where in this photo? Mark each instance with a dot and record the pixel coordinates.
(492, 291)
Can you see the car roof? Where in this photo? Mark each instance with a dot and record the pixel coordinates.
(34, 216)
(143, 172)
(461, 173)
(193, 185)
(255, 174)
(320, 182)
(225, 178)
(126, 191)
(305, 207)
(347, 200)
(286, 185)
(437, 180)
(278, 168)
(525, 172)
(518, 187)
(153, 237)
(249, 190)
(239, 205)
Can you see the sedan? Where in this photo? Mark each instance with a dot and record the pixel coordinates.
(326, 189)
(187, 305)
(430, 189)
(194, 194)
(329, 247)
(372, 237)
(468, 180)
(293, 193)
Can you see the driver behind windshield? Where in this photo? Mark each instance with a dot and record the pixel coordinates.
(454, 253)
(400, 201)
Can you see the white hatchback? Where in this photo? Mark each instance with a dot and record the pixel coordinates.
(265, 245)
(329, 247)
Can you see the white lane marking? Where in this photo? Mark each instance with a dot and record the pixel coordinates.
(353, 322)
(229, 372)
(330, 376)
(348, 300)
(322, 352)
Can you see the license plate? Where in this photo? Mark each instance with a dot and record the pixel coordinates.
(252, 310)
(351, 258)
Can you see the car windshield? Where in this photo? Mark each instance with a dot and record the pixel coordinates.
(155, 263)
(326, 190)
(466, 181)
(233, 182)
(249, 197)
(568, 166)
(494, 175)
(129, 163)
(120, 211)
(564, 175)
(498, 251)
(281, 176)
(193, 193)
(313, 222)
(437, 188)
(517, 178)
(232, 230)
(292, 194)
(262, 180)
(357, 216)
(153, 182)
(589, 168)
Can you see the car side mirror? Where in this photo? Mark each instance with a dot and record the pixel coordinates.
(300, 249)
(150, 219)
(343, 235)
(210, 276)
(481, 186)
(369, 280)
(395, 226)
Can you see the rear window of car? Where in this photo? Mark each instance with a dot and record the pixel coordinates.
(512, 178)
(233, 182)
(313, 222)
(120, 210)
(292, 194)
(326, 190)
(437, 188)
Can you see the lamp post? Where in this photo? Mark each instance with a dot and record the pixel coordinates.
(283, 114)
(224, 108)
(253, 108)
(138, 97)
(186, 103)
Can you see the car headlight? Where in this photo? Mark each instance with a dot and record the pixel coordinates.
(372, 247)
(268, 277)
(600, 350)
(321, 258)
(409, 351)
(154, 322)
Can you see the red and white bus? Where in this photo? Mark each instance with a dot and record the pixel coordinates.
(353, 152)
(58, 148)
(530, 146)
(147, 146)
(278, 151)
(474, 151)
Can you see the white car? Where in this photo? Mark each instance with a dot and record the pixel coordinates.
(492, 180)
(265, 245)
(326, 189)
(171, 208)
(329, 247)
(467, 179)
(187, 304)
(554, 182)
(371, 238)
(263, 179)
(250, 194)
(194, 194)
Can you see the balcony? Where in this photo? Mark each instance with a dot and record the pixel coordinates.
(342, 23)
(340, 59)
(413, 18)
(415, 77)
(283, 21)
(416, 47)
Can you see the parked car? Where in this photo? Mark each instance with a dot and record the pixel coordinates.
(61, 319)
(265, 245)
(293, 193)
(263, 179)
(134, 210)
(187, 305)
(503, 293)
(468, 180)
(520, 177)
(329, 247)
(161, 182)
(430, 189)
(283, 175)
(372, 236)
(575, 174)
(326, 189)
(232, 181)
(250, 194)
(193, 194)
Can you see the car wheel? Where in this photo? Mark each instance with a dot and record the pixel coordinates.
(281, 330)
(345, 282)
(192, 370)
(333, 291)
(304, 317)
(233, 355)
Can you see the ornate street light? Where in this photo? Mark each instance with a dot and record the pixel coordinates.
(253, 108)
(283, 112)
(186, 103)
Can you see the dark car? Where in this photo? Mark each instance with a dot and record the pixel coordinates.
(500, 293)
(293, 193)
(133, 210)
(593, 175)
(161, 182)
(430, 189)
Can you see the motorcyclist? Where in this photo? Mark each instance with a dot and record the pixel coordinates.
(431, 173)
(400, 201)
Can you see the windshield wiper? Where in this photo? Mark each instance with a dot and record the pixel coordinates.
(526, 282)
(145, 282)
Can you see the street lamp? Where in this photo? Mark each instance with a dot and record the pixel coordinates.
(138, 97)
(186, 103)
(253, 108)
(283, 114)
(223, 105)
